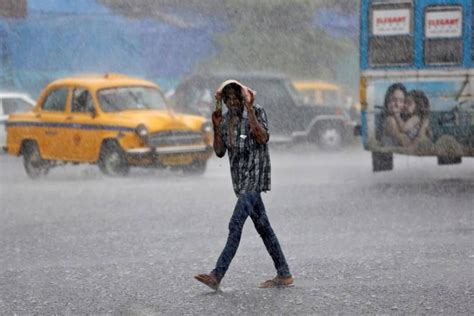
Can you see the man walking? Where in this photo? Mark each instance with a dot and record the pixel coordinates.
(243, 133)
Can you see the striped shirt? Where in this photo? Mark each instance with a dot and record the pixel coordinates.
(249, 161)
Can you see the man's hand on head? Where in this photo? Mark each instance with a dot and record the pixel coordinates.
(217, 118)
(249, 98)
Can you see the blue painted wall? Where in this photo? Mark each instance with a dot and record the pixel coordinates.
(60, 38)
(64, 37)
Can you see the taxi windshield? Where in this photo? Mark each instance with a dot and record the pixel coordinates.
(131, 98)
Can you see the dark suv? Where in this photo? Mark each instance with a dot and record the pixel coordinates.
(289, 117)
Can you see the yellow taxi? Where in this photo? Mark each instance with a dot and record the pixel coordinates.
(112, 120)
(320, 92)
(323, 93)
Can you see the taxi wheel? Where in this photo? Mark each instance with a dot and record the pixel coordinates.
(112, 161)
(35, 166)
(196, 168)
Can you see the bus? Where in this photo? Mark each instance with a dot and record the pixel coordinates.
(417, 79)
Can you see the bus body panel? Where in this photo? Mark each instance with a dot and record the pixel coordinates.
(448, 87)
(451, 115)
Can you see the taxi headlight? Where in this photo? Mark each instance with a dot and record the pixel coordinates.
(142, 132)
(206, 127)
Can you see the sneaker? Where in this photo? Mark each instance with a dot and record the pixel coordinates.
(209, 280)
(277, 281)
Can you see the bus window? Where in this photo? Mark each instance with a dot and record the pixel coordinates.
(391, 34)
(472, 34)
(443, 35)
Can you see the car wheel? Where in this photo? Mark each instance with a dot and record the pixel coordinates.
(330, 138)
(112, 161)
(196, 168)
(35, 166)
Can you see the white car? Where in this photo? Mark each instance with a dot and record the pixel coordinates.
(12, 103)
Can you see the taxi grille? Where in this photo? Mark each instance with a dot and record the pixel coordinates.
(174, 138)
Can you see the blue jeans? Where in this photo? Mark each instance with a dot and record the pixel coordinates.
(251, 204)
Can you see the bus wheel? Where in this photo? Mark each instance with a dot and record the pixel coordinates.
(35, 166)
(112, 161)
(382, 161)
(448, 160)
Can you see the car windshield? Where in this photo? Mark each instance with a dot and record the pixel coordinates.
(131, 98)
(295, 94)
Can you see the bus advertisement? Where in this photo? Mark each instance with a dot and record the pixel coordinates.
(417, 80)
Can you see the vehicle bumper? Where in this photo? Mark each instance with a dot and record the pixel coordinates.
(168, 156)
(345, 127)
(349, 130)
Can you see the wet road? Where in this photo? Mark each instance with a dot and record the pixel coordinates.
(395, 242)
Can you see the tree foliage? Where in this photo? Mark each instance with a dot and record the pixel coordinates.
(278, 36)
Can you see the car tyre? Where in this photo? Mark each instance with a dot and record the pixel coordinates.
(112, 161)
(329, 138)
(35, 166)
(196, 168)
